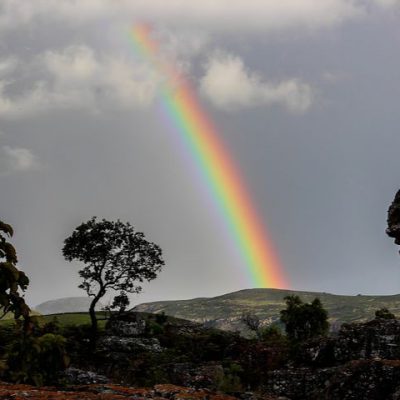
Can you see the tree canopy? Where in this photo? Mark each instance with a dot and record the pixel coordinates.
(12, 280)
(304, 320)
(115, 258)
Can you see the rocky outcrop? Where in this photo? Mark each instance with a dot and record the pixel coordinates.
(299, 383)
(379, 338)
(76, 376)
(128, 345)
(187, 374)
(356, 380)
(362, 362)
(127, 324)
(361, 380)
(376, 339)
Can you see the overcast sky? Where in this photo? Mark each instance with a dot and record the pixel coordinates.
(305, 94)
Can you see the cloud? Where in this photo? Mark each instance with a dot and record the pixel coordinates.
(7, 65)
(387, 3)
(16, 159)
(221, 15)
(228, 85)
(78, 78)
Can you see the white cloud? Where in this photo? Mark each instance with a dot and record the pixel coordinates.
(229, 86)
(260, 15)
(76, 77)
(16, 159)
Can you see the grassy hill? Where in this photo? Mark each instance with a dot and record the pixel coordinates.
(225, 311)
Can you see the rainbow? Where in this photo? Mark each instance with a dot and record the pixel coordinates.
(215, 165)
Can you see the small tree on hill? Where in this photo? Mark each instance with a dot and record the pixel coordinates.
(252, 322)
(12, 280)
(116, 258)
(384, 313)
(304, 320)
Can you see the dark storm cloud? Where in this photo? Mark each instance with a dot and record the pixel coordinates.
(81, 136)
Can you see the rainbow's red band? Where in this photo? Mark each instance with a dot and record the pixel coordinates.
(216, 165)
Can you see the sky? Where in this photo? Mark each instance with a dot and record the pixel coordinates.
(305, 95)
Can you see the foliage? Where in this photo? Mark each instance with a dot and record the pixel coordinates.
(12, 280)
(231, 382)
(161, 318)
(304, 320)
(116, 257)
(272, 334)
(384, 313)
(120, 302)
(393, 219)
(37, 358)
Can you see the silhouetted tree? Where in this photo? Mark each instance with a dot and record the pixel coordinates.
(12, 280)
(393, 219)
(304, 320)
(120, 302)
(116, 257)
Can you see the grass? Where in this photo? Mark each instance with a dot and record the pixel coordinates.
(64, 319)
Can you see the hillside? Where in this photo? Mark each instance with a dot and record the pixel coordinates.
(224, 311)
(66, 305)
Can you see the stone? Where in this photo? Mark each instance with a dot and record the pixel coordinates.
(76, 376)
(117, 344)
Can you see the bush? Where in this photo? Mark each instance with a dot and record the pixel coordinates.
(37, 360)
(384, 313)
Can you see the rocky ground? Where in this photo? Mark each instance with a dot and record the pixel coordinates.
(361, 362)
(115, 392)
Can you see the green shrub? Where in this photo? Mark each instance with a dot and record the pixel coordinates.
(384, 313)
(37, 360)
(231, 381)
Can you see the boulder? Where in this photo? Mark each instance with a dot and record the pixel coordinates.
(128, 345)
(76, 376)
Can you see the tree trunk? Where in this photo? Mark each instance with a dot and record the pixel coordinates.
(93, 318)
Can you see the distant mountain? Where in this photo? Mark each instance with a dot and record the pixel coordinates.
(224, 312)
(66, 304)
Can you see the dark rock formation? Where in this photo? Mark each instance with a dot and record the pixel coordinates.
(376, 339)
(128, 345)
(362, 362)
(356, 380)
(359, 380)
(76, 376)
(207, 375)
(126, 324)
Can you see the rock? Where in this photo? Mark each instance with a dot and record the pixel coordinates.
(126, 328)
(376, 339)
(128, 324)
(117, 344)
(366, 379)
(75, 376)
(207, 375)
(298, 383)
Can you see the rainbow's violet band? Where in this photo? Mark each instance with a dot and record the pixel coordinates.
(215, 165)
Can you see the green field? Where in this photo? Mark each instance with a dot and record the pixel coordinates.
(64, 319)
